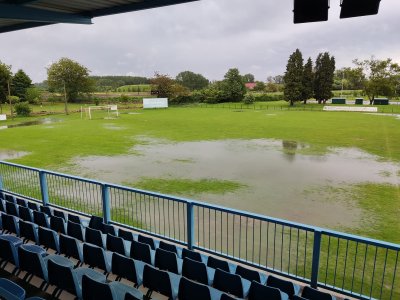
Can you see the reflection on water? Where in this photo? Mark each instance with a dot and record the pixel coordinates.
(31, 123)
(275, 180)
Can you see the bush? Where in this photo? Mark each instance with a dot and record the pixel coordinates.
(124, 98)
(23, 109)
(248, 99)
(269, 97)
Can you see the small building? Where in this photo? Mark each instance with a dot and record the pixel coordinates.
(250, 85)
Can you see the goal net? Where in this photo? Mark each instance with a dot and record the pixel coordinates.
(100, 112)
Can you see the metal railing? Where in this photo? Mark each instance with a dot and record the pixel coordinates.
(351, 265)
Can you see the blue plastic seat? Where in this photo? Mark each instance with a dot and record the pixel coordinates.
(41, 219)
(168, 261)
(216, 263)
(22, 202)
(9, 250)
(10, 198)
(11, 290)
(286, 286)
(12, 209)
(28, 231)
(228, 297)
(94, 290)
(118, 245)
(190, 290)
(97, 257)
(149, 241)
(125, 267)
(95, 237)
(96, 222)
(49, 239)
(60, 214)
(75, 230)
(193, 255)
(63, 275)
(314, 294)
(75, 218)
(2, 207)
(231, 283)
(33, 206)
(126, 235)
(33, 260)
(197, 271)
(58, 224)
(71, 247)
(10, 224)
(25, 214)
(109, 229)
(142, 252)
(171, 248)
(301, 298)
(259, 291)
(251, 275)
(47, 210)
(162, 282)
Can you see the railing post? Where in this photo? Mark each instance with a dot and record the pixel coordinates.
(315, 258)
(105, 195)
(43, 187)
(190, 225)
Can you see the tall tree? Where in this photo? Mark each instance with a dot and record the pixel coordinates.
(324, 73)
(293, 78)
(163, 85)
(192, 80)
(350, 78)
(308, 81)
(20, 83)
(248, 78)
(233, 86)
(383, 77)
(70, 78)
(5, 77)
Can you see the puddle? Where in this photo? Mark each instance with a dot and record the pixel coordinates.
(10, 154)
(45, 121)
(275, 173)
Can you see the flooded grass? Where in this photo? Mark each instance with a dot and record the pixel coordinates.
(187, 187)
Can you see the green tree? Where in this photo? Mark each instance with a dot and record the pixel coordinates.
(248, 78)
(293, 78)
(260, 86)
(232, 87)
(163, 85)
(70, 78)
(308, 81)
(382, 79)
(33, 95)
(324, 73)
(192, 81)
(5, 77)
(20, 83)
(349, 78)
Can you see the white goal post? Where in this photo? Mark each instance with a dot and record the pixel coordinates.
(111, 109)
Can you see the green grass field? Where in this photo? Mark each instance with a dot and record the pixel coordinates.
(52, 146)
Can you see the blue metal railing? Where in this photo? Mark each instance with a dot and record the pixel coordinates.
(352, 265)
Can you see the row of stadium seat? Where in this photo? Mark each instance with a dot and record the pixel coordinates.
(112, 249)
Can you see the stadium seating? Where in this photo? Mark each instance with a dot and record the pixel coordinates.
(154, 264)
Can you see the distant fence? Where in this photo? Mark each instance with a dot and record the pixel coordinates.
(352, 265)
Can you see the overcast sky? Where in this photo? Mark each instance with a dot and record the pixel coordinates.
(207, 37)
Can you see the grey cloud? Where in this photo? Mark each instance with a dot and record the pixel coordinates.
(208, 36)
